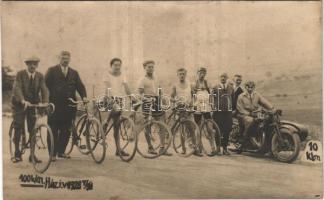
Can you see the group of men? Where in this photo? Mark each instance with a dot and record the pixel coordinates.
(61, 82)
(221, 102)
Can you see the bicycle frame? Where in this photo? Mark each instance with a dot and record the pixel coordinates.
(178, 119)
(108, 121)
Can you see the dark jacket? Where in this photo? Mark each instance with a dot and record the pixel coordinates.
(236, 94)
(21, 89)
(223, 98)
(62, 88)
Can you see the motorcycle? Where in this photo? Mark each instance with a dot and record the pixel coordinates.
(271, 135)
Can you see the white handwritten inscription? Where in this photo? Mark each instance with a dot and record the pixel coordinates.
(313, 152)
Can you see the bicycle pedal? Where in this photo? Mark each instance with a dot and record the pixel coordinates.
(83, 147)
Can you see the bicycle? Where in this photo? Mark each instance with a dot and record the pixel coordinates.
(95, 137)
(126, 140)
(184, 131)
(38, 141)
(151, 130)
(209, 135)
(78, 133)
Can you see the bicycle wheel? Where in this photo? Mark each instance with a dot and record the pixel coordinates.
(96, 140)
(42, 147)
(71, 142)
(80, 133)
(210, 136)
(11, 141)
(22, 141)
(126, 139)
(184, 138)
(151, 137)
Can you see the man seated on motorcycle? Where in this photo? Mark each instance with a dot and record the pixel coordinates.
(248, 102)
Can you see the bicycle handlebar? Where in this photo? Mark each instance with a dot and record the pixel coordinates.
(77, 102)
(43, 106)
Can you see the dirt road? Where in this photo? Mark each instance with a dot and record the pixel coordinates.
(236, 176)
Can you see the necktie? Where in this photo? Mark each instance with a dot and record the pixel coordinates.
(65, 71)
(31, 88)
(31, 78)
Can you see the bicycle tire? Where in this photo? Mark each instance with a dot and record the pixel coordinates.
(11, 141)
(83, 148)
(100, 138)
(211, 138)
(51, 149)
(128, 137)
(167, 141)
(181, 134)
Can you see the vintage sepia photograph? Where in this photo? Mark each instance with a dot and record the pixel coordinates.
(162, 100)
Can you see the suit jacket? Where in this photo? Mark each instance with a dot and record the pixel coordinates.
(223, 98)
(22, 92)
(247, 103)
(236, 94)
(62, 88)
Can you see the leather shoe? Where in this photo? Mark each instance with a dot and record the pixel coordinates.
(151, 151)
(64, 156)
(225, 152)
(122, 153)
(36, 159)
(166, 153)
(197, 153)
(218, 152)
(53, 159)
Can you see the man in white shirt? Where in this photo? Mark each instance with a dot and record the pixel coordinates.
(182, 97)
(115, 87)
(149, 88)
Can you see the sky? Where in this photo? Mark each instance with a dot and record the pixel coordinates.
(249, 38)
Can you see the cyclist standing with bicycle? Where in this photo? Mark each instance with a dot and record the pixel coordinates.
(28, 85)
(149, 88)
(63, 82)
(181, 95)
(116, 89)
(202, 106)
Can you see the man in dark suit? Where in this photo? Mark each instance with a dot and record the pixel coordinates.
(26, 90)
(222, 114)
(237, 90)
(63, 82)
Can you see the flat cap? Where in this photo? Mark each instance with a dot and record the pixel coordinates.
(32, 59)
(148, 62)
(202, 69)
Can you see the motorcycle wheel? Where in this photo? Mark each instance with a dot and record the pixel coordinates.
(259, 142)
(288, 150)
